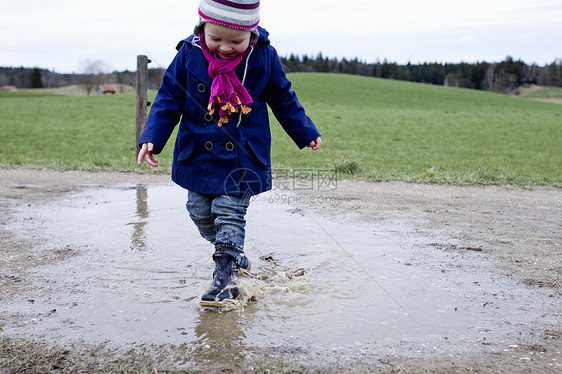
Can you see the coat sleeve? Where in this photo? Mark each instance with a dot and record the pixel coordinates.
(169, 104)
(286, 106)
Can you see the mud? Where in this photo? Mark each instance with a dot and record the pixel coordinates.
(356, 277)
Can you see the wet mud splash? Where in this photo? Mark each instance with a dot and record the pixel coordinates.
(329, 288)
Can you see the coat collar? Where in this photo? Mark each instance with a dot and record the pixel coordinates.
(197, 65)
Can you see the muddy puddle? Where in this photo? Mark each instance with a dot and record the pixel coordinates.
(326, 286)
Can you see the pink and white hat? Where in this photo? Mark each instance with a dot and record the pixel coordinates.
(236, 14)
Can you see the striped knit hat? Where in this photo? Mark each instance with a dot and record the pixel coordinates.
(236, 14)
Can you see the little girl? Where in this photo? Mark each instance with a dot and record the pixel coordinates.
(217, 88)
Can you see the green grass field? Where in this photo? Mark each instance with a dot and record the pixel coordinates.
(372, 128)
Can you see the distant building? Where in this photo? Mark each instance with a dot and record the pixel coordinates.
(106, 89)
(9, 88)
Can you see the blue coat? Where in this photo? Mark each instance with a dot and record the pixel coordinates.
(233, 159)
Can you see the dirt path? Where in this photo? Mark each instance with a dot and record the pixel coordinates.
(518, 230)
(549, 100)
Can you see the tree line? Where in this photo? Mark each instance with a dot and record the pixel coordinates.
(89, 78)
(502, 77)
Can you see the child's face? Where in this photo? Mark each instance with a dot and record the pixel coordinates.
(226, 42)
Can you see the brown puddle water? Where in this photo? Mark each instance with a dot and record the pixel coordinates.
(141, 267)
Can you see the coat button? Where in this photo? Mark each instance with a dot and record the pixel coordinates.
(208, 117)
(201, 87)
(229, 146)
(208, 145)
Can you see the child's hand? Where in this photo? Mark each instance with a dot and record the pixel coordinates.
(145, 153)
(315, 144)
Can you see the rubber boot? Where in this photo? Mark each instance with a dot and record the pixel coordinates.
(222, 288)
(239, 260)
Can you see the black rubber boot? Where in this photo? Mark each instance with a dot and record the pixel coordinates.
(239, 260)
(222, 288)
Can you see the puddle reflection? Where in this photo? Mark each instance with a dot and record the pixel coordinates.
(138, 237)
(220, 338)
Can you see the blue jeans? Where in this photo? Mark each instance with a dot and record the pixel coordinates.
(219, 218)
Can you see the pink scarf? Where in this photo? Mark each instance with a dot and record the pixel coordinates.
(227, 93)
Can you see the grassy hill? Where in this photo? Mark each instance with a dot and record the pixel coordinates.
(399, 130)
(372, 128)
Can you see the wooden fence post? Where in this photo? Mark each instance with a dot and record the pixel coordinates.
(142, 87)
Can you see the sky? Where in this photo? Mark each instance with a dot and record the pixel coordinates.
(62, 35)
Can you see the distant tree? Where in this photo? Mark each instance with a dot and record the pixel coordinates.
(19, 77)
(387, 69)
(4, 78)
(511, 67)
(451, 80)
(532, 74)
(362, 68)
(491, 78)
(155, 76)
(92, 74)
(342, 66)
(126, 78)
(438, 73)
(36, 80)
(321, 65)
(506, 82)
(478, 75)
(292, 63)
(403, 73)
(377, 71)
(554, 71)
